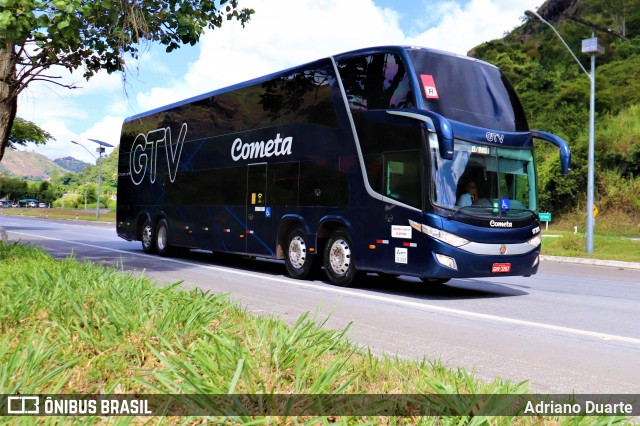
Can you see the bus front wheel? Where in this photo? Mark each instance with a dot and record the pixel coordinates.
(339, 259)
(146, 237)
(297, 259)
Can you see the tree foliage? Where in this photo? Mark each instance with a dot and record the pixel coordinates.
(555, 94)
(24, 132)
(36, 35)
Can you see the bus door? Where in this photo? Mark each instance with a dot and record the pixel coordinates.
(402, 183)
(258, 212)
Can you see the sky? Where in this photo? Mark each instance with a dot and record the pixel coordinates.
(281, 34)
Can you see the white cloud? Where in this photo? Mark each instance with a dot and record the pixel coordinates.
(107, 130)
(281, 34)
(461, 28)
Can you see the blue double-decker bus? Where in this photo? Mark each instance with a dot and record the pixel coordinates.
(396, 160)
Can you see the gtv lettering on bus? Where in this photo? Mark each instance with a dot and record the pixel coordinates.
(139, 159)
(252, 150)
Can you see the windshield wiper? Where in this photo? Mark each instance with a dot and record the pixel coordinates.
(459, 209)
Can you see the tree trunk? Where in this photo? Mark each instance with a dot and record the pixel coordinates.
(9, 90)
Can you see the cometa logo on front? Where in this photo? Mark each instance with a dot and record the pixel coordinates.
(495, 224)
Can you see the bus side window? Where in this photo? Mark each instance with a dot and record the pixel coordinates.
(322, 185)
(402, 177)
(377, 81)
(282, 184)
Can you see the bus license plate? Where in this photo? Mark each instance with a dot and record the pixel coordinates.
(498, 268)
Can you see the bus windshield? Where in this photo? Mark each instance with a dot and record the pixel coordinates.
(468, 91)
(484, 181)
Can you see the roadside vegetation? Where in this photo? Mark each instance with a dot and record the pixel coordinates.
(65, 214)
(76, 328)
(568, 244)
(616, 236)
(555, 95)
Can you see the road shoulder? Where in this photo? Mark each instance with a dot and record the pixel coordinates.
(591, 262)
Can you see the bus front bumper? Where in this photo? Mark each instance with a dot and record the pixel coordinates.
(450, 262)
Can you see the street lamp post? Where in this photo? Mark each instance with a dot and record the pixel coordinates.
(593, 47)
(100, 150)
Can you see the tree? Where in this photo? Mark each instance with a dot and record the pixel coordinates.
(619, 11)
(23, 132)
(36, 35)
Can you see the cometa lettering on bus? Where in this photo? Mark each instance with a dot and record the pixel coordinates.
(252, 150)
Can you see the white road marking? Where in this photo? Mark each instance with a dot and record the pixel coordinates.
(373, 297)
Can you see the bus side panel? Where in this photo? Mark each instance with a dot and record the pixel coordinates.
(191, 163)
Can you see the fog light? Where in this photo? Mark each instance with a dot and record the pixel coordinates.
(535, 241)
(536, 261)
(447, 261)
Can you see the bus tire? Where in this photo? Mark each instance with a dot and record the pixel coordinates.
(297, 259)
(162, 238)
(435, 281)
(147, 237)
(339, 259)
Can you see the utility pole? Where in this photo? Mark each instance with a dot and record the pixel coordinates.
(593, 47)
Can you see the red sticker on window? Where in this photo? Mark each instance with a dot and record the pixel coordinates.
(430, 90)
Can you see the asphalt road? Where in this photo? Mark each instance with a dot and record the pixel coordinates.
(570, 328)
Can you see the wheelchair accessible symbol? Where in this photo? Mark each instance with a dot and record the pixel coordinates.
(267, 212)
(505, 204)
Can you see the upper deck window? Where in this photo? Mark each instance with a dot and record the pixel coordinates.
(379, 81)
(467, 91)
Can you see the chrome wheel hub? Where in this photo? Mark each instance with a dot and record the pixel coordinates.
(340, 257)
(297, 252)
(146, 235)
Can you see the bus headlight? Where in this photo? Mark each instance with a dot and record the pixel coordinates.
(439, 234)
(535, 241)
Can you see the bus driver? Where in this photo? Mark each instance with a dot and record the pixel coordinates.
(470, 196)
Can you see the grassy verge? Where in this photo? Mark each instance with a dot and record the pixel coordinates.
(66, 214)
(604, 247)
(69, 327)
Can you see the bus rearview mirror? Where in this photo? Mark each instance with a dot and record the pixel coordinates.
(435, 124)
(445, 134)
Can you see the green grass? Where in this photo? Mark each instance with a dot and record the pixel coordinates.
(58, 213)
(616, 235)
(604, 247)
(69, 327)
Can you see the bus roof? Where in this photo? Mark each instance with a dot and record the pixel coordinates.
(257, 80)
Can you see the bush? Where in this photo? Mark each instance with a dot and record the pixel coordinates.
(618, 193)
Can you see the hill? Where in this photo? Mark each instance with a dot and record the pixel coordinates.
(29, 166)
(71, 164)
(555, 94)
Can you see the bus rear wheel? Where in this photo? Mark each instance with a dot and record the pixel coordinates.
(147, 237)
(162, 238)
(297, 259)
(339, 259)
